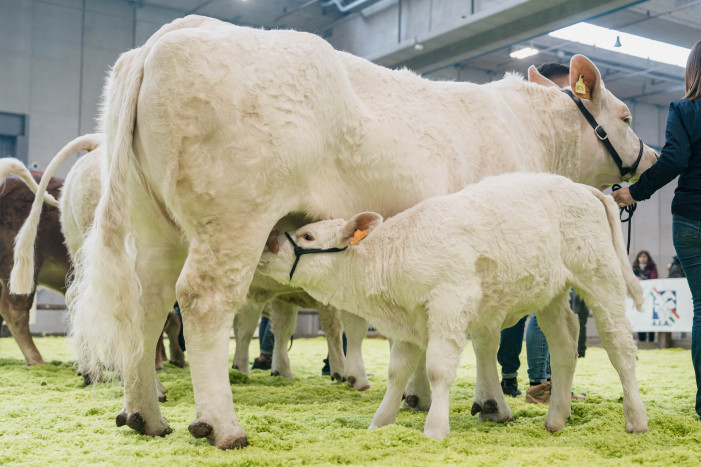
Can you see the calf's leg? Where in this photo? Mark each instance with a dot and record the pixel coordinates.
(561, 329)
(490, 402)
(355, 328)
(442, 360)
(403, 358)
(283, 319)
(245, 323)
(330, 318)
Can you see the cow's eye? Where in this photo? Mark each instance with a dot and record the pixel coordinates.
(628, 120)
(308, 237)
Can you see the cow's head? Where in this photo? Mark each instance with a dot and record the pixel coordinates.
(313, 250)
(597, 166)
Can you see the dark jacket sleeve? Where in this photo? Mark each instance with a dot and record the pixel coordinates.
(673, 160)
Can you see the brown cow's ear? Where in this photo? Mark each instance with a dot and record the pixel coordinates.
(534, 76)
(359, 227)
(585, 79)
(273, 243)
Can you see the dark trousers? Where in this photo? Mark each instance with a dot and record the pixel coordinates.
(510, 347)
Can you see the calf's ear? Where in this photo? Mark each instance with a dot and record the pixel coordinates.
(273, 243)
(534, 76)
(363, 224)
(585, 79)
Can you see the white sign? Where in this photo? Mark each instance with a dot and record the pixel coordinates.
(667, 307)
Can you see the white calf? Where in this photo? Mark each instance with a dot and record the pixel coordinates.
(474, 262)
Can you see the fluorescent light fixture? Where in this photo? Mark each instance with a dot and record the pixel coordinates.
(523, 53)
(630, 44)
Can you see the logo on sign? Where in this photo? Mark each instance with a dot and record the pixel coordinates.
(664, 307)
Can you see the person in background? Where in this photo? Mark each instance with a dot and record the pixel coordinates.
(645, 268)
(266, 341)
(681, 156)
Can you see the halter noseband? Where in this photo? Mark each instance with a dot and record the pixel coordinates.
(603, 137)
(299, 251)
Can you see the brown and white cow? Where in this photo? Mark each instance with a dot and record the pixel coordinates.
(237, 128)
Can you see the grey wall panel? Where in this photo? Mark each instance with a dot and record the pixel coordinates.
(55, 77)
(15, 55)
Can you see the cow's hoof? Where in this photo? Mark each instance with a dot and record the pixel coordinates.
(476, 408)
(490, 406)
(275, 373)
(235, 366)
(121, 418)
(179, 363)
(200, 429)
(337, 377)
(168, 430)
(233, 443)
(137, 423)
(162, 398)
(87, 381)
(358, 385)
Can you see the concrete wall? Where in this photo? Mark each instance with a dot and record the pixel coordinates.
(54, 56)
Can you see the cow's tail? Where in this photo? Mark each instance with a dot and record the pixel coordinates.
(107, 318)
(22, 276)
(11, 166)
(612, 214)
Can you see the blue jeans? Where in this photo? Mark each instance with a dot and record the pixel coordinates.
(538, 353)
(266, 337)
(510, 347)
(687, 243)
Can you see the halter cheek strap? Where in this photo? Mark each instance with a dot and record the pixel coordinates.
(603, 137)
(299, 251)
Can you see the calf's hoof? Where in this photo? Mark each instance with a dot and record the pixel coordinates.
(121, 418)
(636, 428)
(358, 383)
(200, 429)
(337, 377)
(416, 403)
(162, 398)
(476, 408)
(275, 373)
(232, 443)
(180, 363)
(137, 423)
(490, 406)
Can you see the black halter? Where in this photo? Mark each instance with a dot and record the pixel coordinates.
(299, 251)
(603, 137)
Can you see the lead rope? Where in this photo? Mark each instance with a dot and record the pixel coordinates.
(627, 209)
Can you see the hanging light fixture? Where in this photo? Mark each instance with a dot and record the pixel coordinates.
(618, 41)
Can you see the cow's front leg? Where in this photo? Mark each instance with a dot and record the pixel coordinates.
(245, 323)
(489, 398)
(15, 310)
(355, 328)
(403, 358)
(561, 329)
(417, 394)
(333, 330)
(283, 319)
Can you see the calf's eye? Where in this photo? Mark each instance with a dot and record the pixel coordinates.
(308, 237)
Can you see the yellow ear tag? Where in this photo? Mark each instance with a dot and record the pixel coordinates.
(580, 88)
(358, 236)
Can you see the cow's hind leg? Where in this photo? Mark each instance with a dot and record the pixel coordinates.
(608, 308)
(245, 323)
(402, 360)
(561, 328)
(15, 310)
(355, 328)
(283, 319)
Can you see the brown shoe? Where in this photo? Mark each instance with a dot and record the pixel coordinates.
(539, 393)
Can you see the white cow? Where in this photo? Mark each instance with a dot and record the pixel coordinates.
(239, 127)
(471, 263)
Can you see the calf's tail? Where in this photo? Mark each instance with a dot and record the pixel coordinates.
(22, 275)
(612, 214)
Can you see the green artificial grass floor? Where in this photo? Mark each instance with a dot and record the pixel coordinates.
(48, 418)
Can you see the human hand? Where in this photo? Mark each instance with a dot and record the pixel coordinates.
(622, 197)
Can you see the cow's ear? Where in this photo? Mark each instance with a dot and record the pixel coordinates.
(359, 227)
(585, 79)
(534, 76)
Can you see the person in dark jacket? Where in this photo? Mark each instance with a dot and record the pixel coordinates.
(645, 268)
(681, 156)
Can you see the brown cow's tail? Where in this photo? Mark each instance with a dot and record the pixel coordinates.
(104, 297)
(612, 214)
(22, 276)
(11, 166)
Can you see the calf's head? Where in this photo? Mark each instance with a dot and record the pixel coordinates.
(308, 255)
(597, 165)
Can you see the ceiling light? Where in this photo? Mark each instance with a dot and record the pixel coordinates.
(629, 44)
(523, 53)
(419, 47)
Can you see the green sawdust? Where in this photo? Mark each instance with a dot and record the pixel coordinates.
(47, 417)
